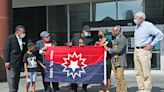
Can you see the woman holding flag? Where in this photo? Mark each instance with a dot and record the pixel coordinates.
(103, 40)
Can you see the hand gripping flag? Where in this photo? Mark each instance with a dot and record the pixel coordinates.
(86, 65)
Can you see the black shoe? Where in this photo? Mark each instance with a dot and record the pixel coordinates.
(56, 90)
(73, 90)
(47, 90)
(84, 90)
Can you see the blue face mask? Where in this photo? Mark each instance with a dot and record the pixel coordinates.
(109, 37)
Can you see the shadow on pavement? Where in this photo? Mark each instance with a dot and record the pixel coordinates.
(113, 89)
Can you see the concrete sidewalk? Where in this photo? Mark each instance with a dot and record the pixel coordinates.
(158, 85)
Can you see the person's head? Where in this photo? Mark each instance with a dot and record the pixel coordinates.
(116, 30)
(45, 36)
(20, 31)
(31, 46)
(139, 17)
(85, 31)
(102, 32)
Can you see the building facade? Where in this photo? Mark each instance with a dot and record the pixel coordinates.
(63, 18)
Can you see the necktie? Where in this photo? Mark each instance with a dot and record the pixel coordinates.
(138, 26)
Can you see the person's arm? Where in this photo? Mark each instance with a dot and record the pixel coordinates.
(157, 34)
(54, 42)
(71, 41)
(109, 44)
(25, 65)
(41, 64)
(39, 48)
(38, 58)
(72, 38)
(26, 70)
(121, 47)
(7, 50)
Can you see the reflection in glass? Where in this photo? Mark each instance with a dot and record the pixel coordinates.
(104, 11)
(79, 13)
(127, 8)
(57, 23)
(154, 8)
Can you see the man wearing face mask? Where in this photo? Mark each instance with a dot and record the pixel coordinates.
(13, 54)
(84, 37)
(146, 36)
(41, 47)
(118, 54)
(81, 39)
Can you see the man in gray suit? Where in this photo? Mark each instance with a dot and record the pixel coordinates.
(13, 53)
(118, 52)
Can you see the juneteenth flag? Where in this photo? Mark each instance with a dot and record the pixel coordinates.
(86, 65)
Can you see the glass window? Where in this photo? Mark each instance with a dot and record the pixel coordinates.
(79, 13)
(33, 18)
(127, 8)
(155, 62)
(57, 23)
(104, 11)
(154, 8)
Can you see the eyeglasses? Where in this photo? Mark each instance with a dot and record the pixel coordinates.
(47, 37)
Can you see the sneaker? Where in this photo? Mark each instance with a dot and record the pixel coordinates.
(107, 90)
(101, 91)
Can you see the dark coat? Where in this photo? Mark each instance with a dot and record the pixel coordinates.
(13, 53)
(77, 36)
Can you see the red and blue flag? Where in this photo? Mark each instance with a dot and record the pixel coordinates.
(75, 64)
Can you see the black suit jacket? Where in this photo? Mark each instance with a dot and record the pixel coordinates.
(77, 36)
(13, 53)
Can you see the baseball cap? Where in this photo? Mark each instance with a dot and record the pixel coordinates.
(44, 34)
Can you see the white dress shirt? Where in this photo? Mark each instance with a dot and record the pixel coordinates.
(20, 42)
(147, 33)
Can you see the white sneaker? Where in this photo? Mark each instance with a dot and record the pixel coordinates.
(107, 90)
(101, 91)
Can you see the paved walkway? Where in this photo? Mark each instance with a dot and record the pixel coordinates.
(158, 85)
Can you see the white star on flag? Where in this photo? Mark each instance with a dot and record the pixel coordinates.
(74, 65)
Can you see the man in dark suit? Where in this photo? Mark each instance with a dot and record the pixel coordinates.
(81, 39)
(13, 52)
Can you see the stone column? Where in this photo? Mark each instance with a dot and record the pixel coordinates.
(5, 27)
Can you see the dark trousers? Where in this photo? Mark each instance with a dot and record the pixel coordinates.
(47, 84)
(74, 87)
(13, 77)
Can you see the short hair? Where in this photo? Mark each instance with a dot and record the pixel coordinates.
(117, 27)
(104, 31)
(86, 28)
(30, 44)
(141, 15)
(18, 27)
